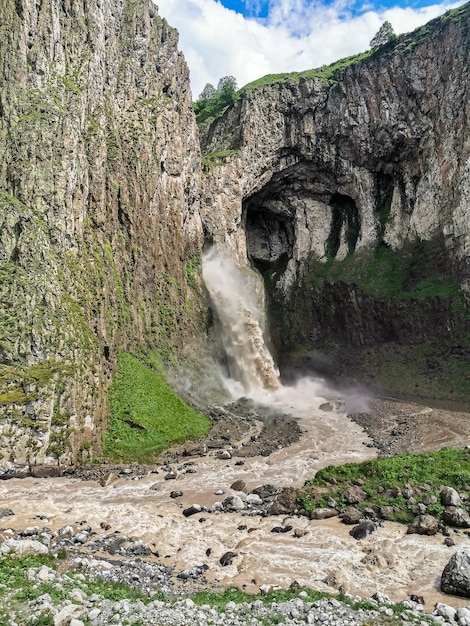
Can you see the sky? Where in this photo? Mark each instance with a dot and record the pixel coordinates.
(248, 39)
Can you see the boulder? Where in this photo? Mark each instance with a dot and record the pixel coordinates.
(227, 558)
(351, 515)
(454, 516)
(23, 547)
(387, 512)
(362, 530)
(449, 497)
(463, 616)
(233, 503)
(288, 500)
(276, 508)
(445, 611)
(238, 485)
(266, 491)
(455, 578)
(423, 525)
(68, 613)
(323, 513)
(354, 494)
(192, 510)
(281, 529)
(223, 455)
(253, 499)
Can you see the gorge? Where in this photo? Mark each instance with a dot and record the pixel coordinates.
(346, 187)
(322, 217)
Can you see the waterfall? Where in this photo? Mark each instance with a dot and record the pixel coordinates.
(234, 300)
(253, 373)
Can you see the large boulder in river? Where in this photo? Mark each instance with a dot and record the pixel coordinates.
(362, 530)
(457, 517)
(455, 578)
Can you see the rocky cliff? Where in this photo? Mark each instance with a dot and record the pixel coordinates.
(349, 189)
(346, 187)
(100, 233)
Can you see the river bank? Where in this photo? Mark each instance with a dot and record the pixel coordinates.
(138, 504)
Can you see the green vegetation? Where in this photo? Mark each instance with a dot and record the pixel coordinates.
(415, 285)
(418, 36)
(326, 73)
(213, 102)
(146, 416)
(405, 370)
(15, 379)
(384, 479)
(218, 157)
(219, 600)
(415, 272)
(192, 269)
(383, 35)
(15, 584)
(210, 106)
(16, 588)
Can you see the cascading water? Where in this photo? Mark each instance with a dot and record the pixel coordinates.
(253, 373)
(249, 360)
(328, 434)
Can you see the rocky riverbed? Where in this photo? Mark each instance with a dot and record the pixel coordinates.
(207, 515)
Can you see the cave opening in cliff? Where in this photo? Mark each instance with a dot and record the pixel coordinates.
(344, 218)
(269, 236)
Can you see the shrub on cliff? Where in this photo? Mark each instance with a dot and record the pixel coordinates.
(383, 35)
(212, 101)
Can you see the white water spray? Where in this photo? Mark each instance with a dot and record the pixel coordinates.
(252, 370)
(249, 360)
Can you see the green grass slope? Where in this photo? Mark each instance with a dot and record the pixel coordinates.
(146, 416)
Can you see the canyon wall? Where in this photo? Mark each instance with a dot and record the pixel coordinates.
(100, 234)
(349, 189)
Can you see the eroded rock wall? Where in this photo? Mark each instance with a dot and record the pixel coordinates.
(100, 233)
(360, 168)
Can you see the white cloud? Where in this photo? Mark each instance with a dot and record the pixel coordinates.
(297, 35)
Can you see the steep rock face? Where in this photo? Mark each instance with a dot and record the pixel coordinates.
(333, 179)
(100, 231)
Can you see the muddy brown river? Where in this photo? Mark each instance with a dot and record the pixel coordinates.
(326, 558)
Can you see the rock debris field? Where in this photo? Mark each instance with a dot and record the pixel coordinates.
(208, 517)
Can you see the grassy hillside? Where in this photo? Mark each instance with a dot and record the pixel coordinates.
(146, 416)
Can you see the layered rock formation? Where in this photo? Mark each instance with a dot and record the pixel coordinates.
(100, 233)
(349, 190)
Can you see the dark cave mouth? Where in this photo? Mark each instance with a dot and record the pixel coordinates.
(269, 239)
(271, 230)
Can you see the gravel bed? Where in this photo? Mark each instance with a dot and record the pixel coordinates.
(80, 609)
